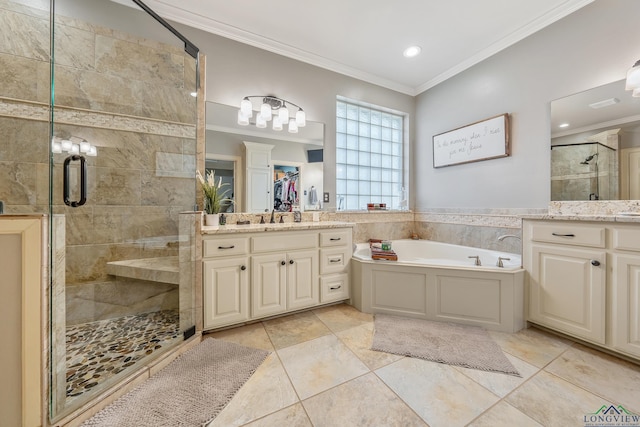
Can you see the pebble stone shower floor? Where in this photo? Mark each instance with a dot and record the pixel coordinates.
(97, 351)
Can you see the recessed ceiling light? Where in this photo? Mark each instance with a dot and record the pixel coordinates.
(412, 51)
(604, 103)
(563, 125)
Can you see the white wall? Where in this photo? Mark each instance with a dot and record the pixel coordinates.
(235, 70)
(593, 46)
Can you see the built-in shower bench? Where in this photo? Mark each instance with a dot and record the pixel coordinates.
(162, 269)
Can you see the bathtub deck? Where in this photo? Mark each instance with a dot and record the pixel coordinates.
(162, 269)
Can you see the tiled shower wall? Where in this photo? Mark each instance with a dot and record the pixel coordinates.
(131, 98)
(24, 112)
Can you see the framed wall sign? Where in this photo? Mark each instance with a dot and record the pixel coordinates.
(483, 140)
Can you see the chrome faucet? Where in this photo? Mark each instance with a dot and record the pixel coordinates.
(504, 236)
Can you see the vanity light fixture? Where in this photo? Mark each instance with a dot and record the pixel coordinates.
(271, 109)
(633, 79)
(412, 51)
(73, 145)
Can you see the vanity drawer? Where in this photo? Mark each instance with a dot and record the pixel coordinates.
(337, 237)
(626, 238)
(273, 242)
(334, 260)
(568, 233)
(334, 287)
(217, 247)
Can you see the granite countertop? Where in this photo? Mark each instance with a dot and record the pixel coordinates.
(632, 217)
(255, 227)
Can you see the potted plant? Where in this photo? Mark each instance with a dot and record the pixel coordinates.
(214, 196)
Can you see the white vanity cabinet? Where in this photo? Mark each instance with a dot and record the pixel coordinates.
(226, 281)
(626, 289)
(283, 281)
(278, 272)
(584, 280)
(335, 258)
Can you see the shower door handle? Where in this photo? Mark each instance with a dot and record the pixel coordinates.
(83, 181)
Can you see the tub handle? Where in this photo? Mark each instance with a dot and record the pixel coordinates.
(563, 235)
(500, 259)
(477, 257)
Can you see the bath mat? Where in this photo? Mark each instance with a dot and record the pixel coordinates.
(450, 343)
(190, 391)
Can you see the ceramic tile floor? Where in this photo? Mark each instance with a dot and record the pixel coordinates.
(322, 373)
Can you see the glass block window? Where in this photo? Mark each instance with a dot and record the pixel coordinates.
(369, 156)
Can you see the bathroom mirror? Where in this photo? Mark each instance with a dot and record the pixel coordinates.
(302, 150)
(595, 145)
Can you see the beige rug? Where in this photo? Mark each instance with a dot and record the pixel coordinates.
(190, 391)
(450, 343)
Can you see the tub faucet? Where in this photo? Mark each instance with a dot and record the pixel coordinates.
(477, 257)
(504, 236)
(500, 259)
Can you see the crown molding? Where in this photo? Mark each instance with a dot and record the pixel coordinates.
(175, 13)
(543, 21)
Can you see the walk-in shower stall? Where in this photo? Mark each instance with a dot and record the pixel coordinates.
(585, 171)
(98, 122)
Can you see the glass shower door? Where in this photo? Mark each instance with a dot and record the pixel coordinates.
(123, 144)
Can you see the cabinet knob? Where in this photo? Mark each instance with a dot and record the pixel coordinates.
(282, 263)
(290, 261)
(595, 262)
(244, 267)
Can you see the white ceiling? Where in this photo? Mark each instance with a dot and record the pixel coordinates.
(575, 111)
(365, 39)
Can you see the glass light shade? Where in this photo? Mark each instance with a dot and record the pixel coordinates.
(260, 122)
(93, 151)
(277, 124)
(633, 77)
(301, 118)
(56, 147)
(246, 107)
(283, 113)
(636, 93)
(85, 147)
(265, 111)
(243, 120)
(75, 149)
(293, 126)
(66, 145)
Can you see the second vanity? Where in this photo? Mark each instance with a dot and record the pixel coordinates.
(584, 278)
(257, 271)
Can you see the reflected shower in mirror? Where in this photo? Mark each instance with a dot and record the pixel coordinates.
(595, 145)
(304, 150)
